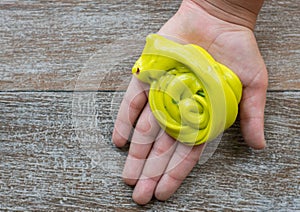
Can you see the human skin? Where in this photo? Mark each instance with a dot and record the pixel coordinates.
(157, 164)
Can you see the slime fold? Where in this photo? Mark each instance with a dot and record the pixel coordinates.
(193, 97)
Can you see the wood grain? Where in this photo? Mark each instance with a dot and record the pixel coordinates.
(56, 154)
(54, 45)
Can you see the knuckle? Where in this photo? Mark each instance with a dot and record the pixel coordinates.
(136, 156)
(176, 178)
(190, 156)
(146, 126)
(133, 102)
(158, 150)
(143, 127)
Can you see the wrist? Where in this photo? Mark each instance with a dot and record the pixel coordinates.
(241, 12)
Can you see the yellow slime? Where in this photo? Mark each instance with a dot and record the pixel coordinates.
(193, 97)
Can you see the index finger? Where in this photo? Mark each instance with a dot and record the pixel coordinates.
(132, 104)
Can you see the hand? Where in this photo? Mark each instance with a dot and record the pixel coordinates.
(156, 163)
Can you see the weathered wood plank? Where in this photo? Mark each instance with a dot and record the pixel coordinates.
(45, 46)
(56, 154)
(278, 36)
(49, 45)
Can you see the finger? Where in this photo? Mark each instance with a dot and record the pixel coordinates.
(154, 167)
(145, 132)
(180, 165)
(132, 104)
(252, 116)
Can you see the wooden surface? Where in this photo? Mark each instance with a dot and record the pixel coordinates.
(55, 144)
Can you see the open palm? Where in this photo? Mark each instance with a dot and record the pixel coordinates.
(156, 163)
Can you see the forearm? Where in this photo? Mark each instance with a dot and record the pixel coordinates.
(241, 12)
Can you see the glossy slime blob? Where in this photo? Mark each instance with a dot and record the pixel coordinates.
(193, 97)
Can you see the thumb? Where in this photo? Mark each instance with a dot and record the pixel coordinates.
(252, 115)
